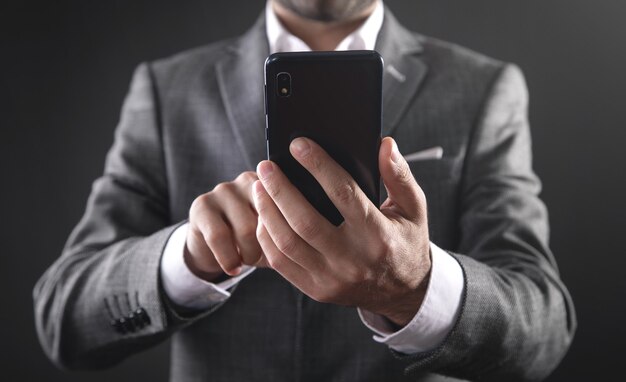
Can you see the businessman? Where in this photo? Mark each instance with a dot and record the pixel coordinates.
(191, 234)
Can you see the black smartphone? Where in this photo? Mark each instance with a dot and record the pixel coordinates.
(335, 99)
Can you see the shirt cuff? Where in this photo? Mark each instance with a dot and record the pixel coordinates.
(435, 318)
(184, 288)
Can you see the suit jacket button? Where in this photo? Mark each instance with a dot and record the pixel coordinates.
(143, 316)
(132, 322)
(118, 326)
(127, 325)
(134, 318)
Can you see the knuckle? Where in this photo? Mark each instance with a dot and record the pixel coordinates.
(246, 177)
(315, 161)
(345, 193)
(306, 229)
(262, 207)
(275, 261)
(215, 235)
(223, 188)
(370, 217)
(195, 232)
(286, 243)
(199, 203)
(273, 190)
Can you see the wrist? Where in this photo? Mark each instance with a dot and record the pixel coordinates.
(406, 307)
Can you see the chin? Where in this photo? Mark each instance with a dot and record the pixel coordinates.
(327, 10)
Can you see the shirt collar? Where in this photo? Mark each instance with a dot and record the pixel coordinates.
(280, 40)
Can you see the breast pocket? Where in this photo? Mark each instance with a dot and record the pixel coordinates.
(432, 170)
(429, 174)
(439, 179)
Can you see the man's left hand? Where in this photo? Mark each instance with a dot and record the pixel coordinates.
(378, 260)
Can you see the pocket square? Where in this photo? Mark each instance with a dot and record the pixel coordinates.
(430, 153)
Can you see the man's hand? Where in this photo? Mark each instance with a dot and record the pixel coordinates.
(222, 225)
(378, 260)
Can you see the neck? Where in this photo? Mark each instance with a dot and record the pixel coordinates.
(319, 35)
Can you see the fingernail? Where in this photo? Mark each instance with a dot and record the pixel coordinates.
(265, 169)
(300, 147)
(395, 153)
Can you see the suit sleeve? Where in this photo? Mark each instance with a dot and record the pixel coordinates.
(101, 300)
(516, 319)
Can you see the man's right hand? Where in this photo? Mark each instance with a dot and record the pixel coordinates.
(222, 230)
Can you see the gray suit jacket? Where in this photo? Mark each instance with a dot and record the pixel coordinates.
(196, 119)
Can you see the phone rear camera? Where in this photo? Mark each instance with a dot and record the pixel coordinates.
(283, 84)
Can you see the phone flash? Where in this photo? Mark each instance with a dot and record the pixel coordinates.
(284, 90)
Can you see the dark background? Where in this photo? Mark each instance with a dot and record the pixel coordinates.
(66, 66)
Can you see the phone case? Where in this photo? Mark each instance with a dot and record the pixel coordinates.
(335, 99)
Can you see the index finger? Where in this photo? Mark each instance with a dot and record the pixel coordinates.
(301, 216)
(338, 184)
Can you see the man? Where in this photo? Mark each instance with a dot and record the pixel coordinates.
(182, 238)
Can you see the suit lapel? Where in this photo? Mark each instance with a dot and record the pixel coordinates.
(240, 80)
(404, 70)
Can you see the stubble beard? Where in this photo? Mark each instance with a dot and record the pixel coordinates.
(327, 10)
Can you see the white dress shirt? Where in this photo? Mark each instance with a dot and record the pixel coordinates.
(439, 309)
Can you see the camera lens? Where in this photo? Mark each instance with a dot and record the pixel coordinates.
(283, 84)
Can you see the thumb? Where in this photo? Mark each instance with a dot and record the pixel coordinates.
(404, 192)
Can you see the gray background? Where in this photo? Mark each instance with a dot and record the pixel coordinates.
(65, 67)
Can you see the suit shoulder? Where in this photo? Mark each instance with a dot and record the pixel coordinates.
(471, 76)
(474, 67)
(450, 58)
(187, 65)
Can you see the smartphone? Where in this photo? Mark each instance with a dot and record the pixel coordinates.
(335, 99)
